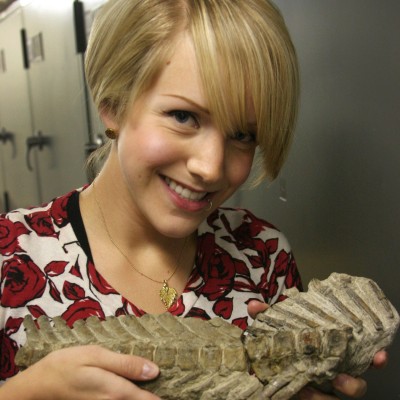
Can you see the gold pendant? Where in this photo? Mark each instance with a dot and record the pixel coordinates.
(168, 295)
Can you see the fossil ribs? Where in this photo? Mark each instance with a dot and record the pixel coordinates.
(336, 326)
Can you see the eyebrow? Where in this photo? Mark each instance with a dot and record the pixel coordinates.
(193, 103)
(251, 125)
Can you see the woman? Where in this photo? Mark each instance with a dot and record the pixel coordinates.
(187, 91)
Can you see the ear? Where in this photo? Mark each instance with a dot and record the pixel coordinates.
(108, 119)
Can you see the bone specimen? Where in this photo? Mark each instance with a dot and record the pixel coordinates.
(337, 326)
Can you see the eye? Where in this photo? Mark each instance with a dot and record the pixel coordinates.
(184, 118)
(244, 137)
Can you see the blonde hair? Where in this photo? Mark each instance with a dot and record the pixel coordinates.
(244, 53)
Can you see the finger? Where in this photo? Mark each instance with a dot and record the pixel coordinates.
(114, 386)
(381, 359)
(310, 393)
(255, 306)
(353, 387)
(128, 366)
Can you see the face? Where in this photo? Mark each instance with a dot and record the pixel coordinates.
(172, 157)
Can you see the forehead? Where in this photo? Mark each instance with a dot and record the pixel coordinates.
(180, 74)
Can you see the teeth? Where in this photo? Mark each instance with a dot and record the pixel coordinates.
(185, 192)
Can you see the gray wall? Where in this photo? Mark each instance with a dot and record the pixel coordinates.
(342, 180)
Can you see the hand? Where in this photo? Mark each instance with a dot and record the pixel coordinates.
(255, 307)
(82, 373)
(343, 383)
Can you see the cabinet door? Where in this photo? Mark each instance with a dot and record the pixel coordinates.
(20, 185)
(57, 96)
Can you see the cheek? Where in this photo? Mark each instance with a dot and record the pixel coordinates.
(239, 169)
(145, 148)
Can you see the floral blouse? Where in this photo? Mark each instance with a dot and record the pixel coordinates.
(47, 269)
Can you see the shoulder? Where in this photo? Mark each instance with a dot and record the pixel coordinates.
(39, 221)
(242, 227)
(243, 257)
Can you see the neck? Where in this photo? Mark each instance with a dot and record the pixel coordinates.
(150, 251)
(153, 254)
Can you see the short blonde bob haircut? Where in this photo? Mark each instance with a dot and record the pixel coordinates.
(244, 53)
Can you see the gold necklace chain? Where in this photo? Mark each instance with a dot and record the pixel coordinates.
(168, 295)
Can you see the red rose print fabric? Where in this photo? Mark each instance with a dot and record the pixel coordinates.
(45, 270)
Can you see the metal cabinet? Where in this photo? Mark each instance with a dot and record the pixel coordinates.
(20, 186)
(56, 96)
(48, 124)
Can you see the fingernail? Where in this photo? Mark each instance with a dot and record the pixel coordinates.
(149, 371)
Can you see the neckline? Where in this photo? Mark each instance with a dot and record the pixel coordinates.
(193, 284)
(75, 217)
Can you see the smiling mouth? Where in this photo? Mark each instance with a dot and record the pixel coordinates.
(184, 192)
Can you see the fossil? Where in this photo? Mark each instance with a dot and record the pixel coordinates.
(336, 326)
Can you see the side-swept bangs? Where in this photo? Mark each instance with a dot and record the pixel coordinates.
(245, 54)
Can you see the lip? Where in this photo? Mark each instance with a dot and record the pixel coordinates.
(186, 203)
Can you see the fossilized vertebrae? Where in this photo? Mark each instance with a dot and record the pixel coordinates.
(205, 360)
(337, 326)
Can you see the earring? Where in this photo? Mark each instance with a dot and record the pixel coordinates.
(111, 134)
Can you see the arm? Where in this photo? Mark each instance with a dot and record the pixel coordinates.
(346, 384)
(79, 373)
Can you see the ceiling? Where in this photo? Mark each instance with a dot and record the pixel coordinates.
(4, 4)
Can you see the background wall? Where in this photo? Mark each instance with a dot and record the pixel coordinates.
(341, 184)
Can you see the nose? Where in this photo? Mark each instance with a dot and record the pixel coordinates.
(207, 157)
